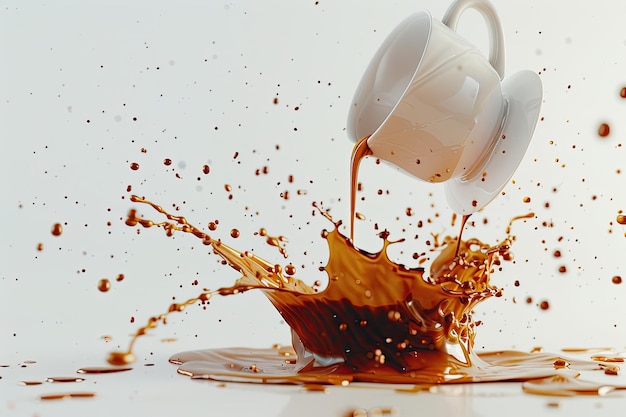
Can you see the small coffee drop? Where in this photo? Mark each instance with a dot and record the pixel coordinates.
(290, 269)
(604, 130)
(104, 285)
(65, 379)
(29, 383)
(57, 229)
(102, 369)
(120, 358)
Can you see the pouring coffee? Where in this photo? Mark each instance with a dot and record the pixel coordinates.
(433, 105)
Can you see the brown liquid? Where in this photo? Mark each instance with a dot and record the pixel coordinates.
(275, 241)
(104, 285)
(567, 385)
(360, 151)
(101, 370)
(29, 383)
(604, 130)
(57, 229)
(64, 379)
(458, 241)
(377, 321)
(381, 321)
(66, 396)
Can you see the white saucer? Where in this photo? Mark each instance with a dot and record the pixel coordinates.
(523, 92)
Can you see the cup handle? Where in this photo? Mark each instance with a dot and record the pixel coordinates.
(496, 36)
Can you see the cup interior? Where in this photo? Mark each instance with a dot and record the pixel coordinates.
(389, 74)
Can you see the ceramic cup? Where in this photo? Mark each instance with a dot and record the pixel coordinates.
(434, 105)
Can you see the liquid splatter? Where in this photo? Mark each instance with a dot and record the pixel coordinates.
(377, 321)
(67, 396)
(104, 285)
(57, 230)
(604, 130)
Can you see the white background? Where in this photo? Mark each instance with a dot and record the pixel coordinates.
(200, 78)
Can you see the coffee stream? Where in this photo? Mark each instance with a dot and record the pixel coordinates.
(377, 320)
(360, 151)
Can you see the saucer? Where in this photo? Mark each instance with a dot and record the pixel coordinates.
(523, 93)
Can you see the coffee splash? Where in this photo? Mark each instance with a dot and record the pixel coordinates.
(377, 320)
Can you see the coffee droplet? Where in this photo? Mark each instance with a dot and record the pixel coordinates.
(65, 379)
(526, 199)
(234, 233)
(621, 219)
(120, 277)
(51, 397)
(616, 279)
(40, 247)
(622, 92)
(167, 162)
(29, 383)
(206, 169)
(544, 305)
(120, 358)
(57, 229)
(134, 166)
(604, 130)
(102, 369)
(104, 285)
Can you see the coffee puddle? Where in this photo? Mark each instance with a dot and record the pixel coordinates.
(67, 396)
(377, 321)
(102, 369)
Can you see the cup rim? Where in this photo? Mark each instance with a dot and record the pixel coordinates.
(356, 110)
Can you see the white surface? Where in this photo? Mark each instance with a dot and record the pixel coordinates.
(183, 70)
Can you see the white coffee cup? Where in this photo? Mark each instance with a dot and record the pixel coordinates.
(435, 106)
